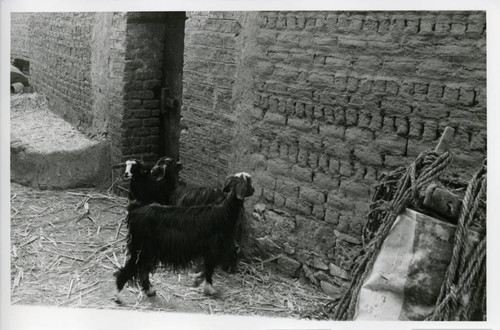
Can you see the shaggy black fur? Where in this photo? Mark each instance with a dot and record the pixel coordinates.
(179, 194)
(174, 236)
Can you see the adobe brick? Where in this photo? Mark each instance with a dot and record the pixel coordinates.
(338, 202)
(365, 86)
(451, 94)
(370, 24)
(412, 25)
(313, 160)
(458, 27)
(392, 87)
(151, 104)
(151, 121)
(435, 91)
(391, 144)
(339, 115)
(301, 173)
(351, 116)
(140, 113)
(334, 62)
(265, 180)
(443, 25)
(401, 126)
(420, 88)
(397, 24)
(283, 151)
(388, 125)
(345, 169)
(278, 167)
(141, 131)
(325, 181)
(300, 124)
(304, 207)
(354, 189)
(334, 166)
(318, 211)
(293, 151)
(367, 155)
(299, 156)
(379, 86)
(359, 135)
(383, 25)
(475, 26)
(268, 195)
(427, 24)
(466, 96)
(332, 216)
(311, 195)
(310, 22)
(279, 200)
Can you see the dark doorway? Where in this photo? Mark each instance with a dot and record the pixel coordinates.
(171, 96)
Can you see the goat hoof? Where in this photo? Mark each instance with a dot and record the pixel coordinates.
(151, 293)
(117, 299)
(209, 290)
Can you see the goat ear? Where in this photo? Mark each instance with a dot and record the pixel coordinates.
(160, 174)
(241, 188)
(227, 183)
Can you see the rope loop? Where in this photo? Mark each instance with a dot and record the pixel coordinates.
(396, 191)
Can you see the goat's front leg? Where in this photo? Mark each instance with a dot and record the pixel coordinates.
(125, 274)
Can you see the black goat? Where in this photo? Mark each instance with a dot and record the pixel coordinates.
(179, 194)
(144, 187)
(175, 236)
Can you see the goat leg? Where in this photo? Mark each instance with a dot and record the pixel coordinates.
(146, 285)
(208, 272)
(123, 275)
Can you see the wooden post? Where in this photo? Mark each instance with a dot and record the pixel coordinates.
(445, 141)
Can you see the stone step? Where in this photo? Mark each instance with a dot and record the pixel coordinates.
(49, 153)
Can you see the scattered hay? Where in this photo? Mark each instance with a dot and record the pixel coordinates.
(66, 245)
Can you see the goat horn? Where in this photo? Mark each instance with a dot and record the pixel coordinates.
(118, 165)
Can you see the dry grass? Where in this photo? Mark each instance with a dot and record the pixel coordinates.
(66, 245)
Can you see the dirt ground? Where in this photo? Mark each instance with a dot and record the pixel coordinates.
(66, 245)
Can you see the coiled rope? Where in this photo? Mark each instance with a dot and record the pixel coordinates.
(463, 292)
(395, 192)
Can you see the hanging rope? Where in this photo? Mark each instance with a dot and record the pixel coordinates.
(395, 192)
(463, 292)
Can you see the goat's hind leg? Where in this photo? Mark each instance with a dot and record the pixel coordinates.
(209, 290)
(199, 277)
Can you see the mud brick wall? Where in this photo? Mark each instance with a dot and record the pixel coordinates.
(19, 36)
(207, 119)
(100, 71)
(139, 125)
(60, 63)
(74, 62)
(316, 105)
(107, 67)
